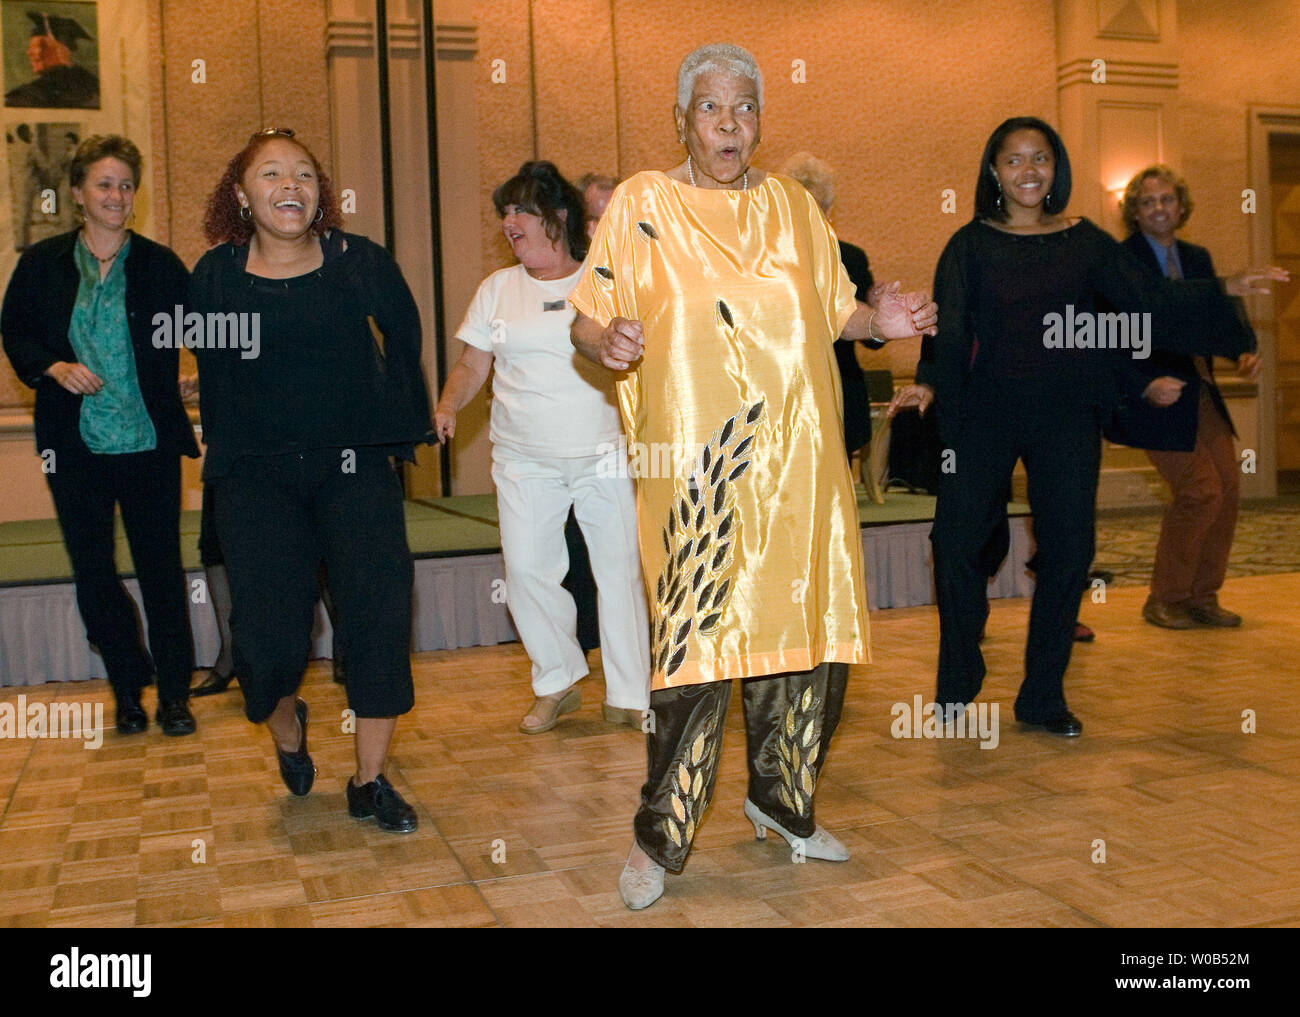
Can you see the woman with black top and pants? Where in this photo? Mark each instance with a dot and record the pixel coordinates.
(300, 424)
(78, 324)
(1003, 393)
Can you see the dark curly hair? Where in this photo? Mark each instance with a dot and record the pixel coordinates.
(987, 188)
(221, 221)
(539, 189)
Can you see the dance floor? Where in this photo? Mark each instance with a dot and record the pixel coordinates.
(1164, 813)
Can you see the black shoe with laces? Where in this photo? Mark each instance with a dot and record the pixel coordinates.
(174, 717)
(296, 768)
(381, 800)
(131, 718)
(1066, 724)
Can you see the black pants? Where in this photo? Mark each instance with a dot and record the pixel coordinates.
(1062, 456)
(278, 517)
(147, 486)
(581, 585)
(789, 721)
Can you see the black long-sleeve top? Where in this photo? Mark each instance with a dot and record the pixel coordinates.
(321, 377)
(853, 383)
(35, 319)
(996, 289)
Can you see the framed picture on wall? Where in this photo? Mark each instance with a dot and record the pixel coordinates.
(51, 54)
(39, 157)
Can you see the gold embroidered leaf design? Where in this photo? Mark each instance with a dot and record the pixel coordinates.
(691, 777)
(694, 585)
(800, 730)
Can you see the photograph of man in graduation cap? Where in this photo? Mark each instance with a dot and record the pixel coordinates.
(57, 42)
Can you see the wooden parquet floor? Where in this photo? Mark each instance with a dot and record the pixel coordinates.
(1200, 821)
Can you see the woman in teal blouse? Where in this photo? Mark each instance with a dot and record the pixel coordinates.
(78, 325)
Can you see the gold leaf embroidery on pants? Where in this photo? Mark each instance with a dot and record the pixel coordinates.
(689, 781)
(800, 730)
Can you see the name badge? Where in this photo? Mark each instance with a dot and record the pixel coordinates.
(554, 305)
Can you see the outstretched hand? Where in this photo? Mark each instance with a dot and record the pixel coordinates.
(1255, 280)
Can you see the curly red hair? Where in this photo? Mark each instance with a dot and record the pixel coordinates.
(222, 223)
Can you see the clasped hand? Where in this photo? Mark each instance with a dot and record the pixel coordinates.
(901, 315)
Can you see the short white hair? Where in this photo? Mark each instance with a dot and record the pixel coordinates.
(722, 57)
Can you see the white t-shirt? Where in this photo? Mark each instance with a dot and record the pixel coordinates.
(547, 399)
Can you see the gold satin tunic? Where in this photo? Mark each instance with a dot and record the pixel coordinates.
(746, 515)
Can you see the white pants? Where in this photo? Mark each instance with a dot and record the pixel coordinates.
(533, 499)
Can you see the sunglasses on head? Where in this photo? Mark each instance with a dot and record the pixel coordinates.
(270, 132)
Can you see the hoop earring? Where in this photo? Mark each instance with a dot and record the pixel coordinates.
(245, 213)
(320, 214)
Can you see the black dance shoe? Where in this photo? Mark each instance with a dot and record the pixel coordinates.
(174, 717)
(213, 684)
(381, 800)
(131, 718)
(296, 768)
(1066, 724)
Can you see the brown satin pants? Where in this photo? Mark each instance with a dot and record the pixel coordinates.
(1199, 523)
(789, 721)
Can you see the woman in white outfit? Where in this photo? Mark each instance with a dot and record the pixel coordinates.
(556, 443)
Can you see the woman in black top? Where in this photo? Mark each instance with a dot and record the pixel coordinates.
(78, 325)
(1014, 379)
(300, 416)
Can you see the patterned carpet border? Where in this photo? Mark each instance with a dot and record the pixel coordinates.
(1267, 541)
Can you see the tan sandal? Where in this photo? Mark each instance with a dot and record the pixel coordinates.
(549, 712)
(621, 715)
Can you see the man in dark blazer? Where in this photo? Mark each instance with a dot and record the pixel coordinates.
(1185, 427)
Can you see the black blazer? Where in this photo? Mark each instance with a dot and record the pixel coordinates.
(857, 404)
(1171, 428)
(36, 316)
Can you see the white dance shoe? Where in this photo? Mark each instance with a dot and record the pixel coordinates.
(820, 845)
(641, 887)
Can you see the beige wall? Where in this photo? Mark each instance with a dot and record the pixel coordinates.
(899, 98)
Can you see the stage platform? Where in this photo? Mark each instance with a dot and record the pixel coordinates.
(458, 592)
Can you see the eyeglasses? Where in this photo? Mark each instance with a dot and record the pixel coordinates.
(271, 132)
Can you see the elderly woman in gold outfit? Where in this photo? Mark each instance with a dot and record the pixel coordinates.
(716, 290)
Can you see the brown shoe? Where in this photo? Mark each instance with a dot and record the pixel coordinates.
(1168, 616)
(619, 715)
(547, 710)
(1213, 616)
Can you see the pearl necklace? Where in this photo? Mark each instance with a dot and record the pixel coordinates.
(744, 180)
